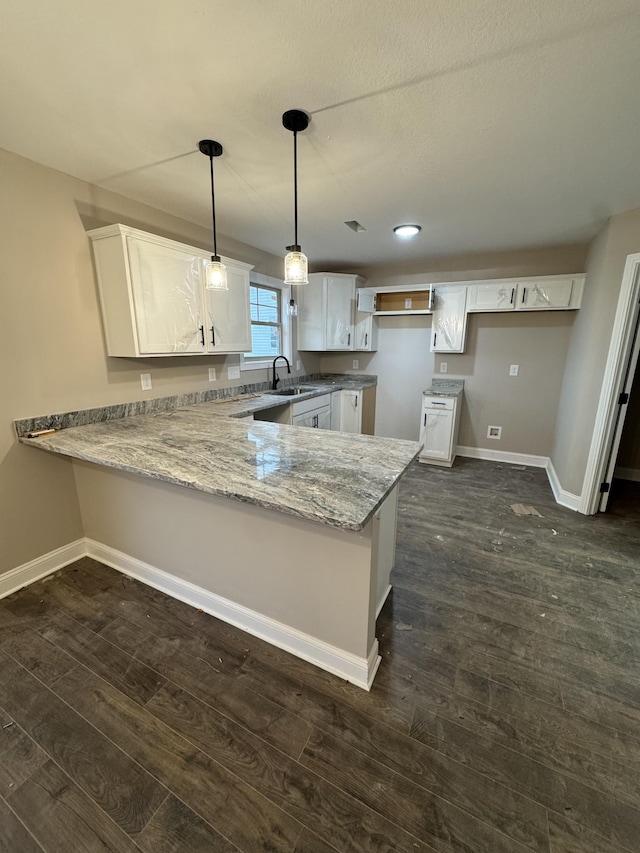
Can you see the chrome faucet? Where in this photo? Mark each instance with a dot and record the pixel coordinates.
(276, 378)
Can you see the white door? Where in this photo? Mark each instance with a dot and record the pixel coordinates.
(437, 432)
(167, 294)
(449, 318)
(339, 301)
(491, 297)
(350, 411)
(228, 321)
(365, 332)
(541, 295)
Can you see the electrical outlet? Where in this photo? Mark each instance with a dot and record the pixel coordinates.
(513, 370)
(297, 364)
(233, 372)
(356, 364)
(494, 432)
(145, 381)
(408, 303)
(212, 374)
(443, 367)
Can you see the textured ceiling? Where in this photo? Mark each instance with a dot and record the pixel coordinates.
(495, 124)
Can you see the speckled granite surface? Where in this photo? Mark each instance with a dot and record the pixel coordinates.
(328, 477)
(81, 417)
(444, 388)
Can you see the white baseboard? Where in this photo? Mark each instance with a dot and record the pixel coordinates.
(33, 571)
(628, 474)
(357, 670)
(564, 498)
(503, 456)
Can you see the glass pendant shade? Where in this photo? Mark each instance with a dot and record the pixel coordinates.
(216, 275)
(296, 267)
(292, 308)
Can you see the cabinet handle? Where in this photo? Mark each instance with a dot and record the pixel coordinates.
(355, 402)
(435, 335)
(366, 338)
(425, 419)
(513, 295)
(438, 404)
(213, 336)
(524, 294)
(349, 339)
(202, 335)
(315, 420)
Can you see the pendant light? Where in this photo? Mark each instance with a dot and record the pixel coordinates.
(215, 271)
(295, 263)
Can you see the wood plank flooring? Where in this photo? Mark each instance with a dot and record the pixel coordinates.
(505, 716)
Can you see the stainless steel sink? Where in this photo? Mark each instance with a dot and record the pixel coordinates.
(292, 392)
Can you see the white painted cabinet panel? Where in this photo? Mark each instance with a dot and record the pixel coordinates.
(350, 411)
(496, 296)
(228, 318)
(439, 429)
(328, 316)
(544, 295)
(449, 325)
(153, 298)
(340, 295)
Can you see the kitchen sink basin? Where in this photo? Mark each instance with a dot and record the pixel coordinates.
(292, 392)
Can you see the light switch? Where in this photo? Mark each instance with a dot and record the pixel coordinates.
(356, 364)
(145, 381)
(513, 370)
(212, 374)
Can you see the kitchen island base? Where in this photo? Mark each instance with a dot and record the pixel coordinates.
(306, 587)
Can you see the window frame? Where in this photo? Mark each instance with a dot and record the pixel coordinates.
(259, 363)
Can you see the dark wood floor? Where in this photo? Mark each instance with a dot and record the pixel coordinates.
(505, 716)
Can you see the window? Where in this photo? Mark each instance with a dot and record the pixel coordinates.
(269, 322)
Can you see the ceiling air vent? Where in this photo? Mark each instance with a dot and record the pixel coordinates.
(355, 226)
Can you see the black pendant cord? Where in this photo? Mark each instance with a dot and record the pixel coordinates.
(213, 210)
(295, 188)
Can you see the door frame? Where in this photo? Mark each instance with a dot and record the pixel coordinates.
(614, 374)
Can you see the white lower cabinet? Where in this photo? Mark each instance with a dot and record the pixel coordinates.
(153, 298)
(315, 413)
(439, 429)
(350, 411)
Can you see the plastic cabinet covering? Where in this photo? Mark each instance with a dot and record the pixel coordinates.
(449, 319)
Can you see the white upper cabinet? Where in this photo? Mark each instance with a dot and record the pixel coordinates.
(153, 298)
(449, 325)
(540, 295)
(329, 318)
(494, 296)
(167, 297)
(339, 299)
(228, 319)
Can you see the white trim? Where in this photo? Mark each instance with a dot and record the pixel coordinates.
(383, 598)
(286, 324)
(628, 474)
(358, 670)
(613, 375)
(562, 497)
(503, 456)
(33, 571)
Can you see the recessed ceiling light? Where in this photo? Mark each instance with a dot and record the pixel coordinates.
(406, 230)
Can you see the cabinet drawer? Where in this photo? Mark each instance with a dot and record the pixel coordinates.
(304, 406)
(438, 402)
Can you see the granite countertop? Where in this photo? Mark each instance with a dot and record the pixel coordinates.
(330, 477)
(444, 388)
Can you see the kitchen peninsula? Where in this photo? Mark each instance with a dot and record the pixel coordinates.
(284, 531)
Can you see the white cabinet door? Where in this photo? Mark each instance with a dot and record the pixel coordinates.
(339, 310)
(544, 295)
(449, 318)
(323, 416)
(437, 433)
(319, 418)
(228, 320)
(366, 332)
(492, 297)
(350, 411)
(167, 295)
